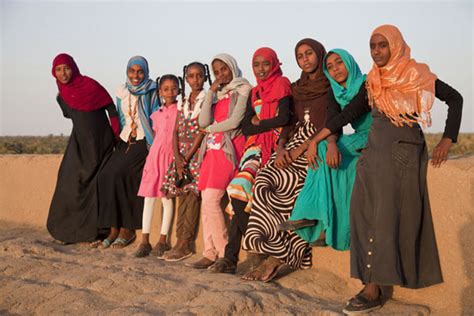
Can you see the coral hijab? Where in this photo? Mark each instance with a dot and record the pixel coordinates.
(403, 90)
(270, 90)
(81, 92)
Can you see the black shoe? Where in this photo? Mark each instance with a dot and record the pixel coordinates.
(294, 225)
(223, 265)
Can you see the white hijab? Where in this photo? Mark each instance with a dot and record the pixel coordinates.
(241, 85)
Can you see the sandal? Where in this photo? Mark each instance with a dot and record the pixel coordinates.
(319, 243)
(256, 274)
(106, 243)
(159, 250)
(120, 243)
(294, 225)
(143, 251)
(223, 265)
(359, 304)
(177, 255)
(95, 244)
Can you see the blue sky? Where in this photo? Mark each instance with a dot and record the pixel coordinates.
(103, 35)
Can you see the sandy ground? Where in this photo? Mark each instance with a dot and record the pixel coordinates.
(40, 276)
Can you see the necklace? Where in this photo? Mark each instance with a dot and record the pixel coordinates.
(133, 125)
(306, 117)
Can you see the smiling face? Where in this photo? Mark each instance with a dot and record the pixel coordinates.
(222, 72)
(135, 74)
(169, 91)
(337, 69)
(261, 67)
(63, 73)
(195, 77)
(380, 50)
(307, 58)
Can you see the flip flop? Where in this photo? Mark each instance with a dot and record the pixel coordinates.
(105, 244)
(273, 274)
(121, 243)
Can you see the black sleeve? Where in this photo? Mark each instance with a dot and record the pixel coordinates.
(247, 127)
(111, 110)
(454, 100)
(352, 111)
(64, 107)
(333, 111)
(283, 117)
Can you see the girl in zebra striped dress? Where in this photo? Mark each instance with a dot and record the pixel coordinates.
(279, 183)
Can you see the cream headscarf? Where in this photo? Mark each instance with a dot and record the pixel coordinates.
(403, 90)
(241, 85)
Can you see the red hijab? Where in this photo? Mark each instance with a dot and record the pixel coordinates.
(81, 92)
(270, 90)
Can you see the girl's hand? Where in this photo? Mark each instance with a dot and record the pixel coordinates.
(333, 156)
(440, 152)
(180, 171)
(312, 155)
(187, 159)
(180, 161)
(255, 120)
(215, 85)
(283, 158)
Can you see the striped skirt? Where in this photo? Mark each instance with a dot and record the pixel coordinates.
(275, 193)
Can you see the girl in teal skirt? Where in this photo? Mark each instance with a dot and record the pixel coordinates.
(323, 204)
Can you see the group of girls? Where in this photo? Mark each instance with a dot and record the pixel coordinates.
(276, 150)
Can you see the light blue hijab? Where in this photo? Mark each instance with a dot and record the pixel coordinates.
(148, 101)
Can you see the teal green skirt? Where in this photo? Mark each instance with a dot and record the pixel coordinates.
(326, 194)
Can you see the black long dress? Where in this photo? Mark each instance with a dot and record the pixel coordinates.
(392, 235)
(73, 214)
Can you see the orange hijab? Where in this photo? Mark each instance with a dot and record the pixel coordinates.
(403, 90)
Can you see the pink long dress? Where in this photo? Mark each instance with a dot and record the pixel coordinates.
(216, 170)
(161, 153)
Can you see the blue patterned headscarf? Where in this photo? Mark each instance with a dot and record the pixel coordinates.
(355, 78)
(147, 84)
(148, 101)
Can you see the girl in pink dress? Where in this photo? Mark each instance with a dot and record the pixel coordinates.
(220, 151)
(157, 163)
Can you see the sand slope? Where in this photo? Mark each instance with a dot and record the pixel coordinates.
(43, 277)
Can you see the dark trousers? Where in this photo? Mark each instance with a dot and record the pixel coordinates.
(238, 226)
(188, 216)
(119, 181)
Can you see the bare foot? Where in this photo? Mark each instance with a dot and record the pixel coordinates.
(264, 272)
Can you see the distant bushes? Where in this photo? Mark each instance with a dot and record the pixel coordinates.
(57, 144)
(33, 144)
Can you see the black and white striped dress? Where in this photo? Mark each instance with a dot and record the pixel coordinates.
(275, 194)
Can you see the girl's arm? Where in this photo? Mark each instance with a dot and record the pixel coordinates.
(337, 119)
(234, 120)
(114, 119)
(196, 144)
(205, 116)
(177, 156)
(454, 100)
(261, 126)
(64, 107)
